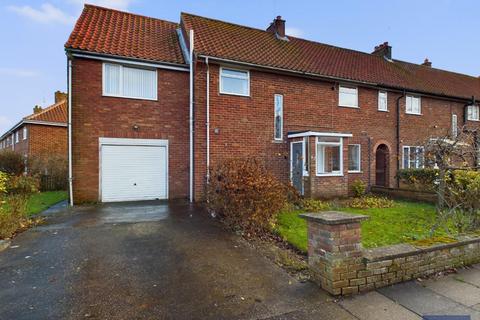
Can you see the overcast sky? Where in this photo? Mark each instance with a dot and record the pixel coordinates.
(32, 34)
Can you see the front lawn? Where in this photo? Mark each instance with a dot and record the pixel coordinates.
(405, 221)
(39, 202)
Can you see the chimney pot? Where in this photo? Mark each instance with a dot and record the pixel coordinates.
(427, 63)
(37, 109)
(383, 50)
(277, 27)
(60, 96)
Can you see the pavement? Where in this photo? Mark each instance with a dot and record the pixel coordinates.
(159, 260)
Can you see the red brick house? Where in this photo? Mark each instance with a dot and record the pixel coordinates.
(42, 132)
(155, 104)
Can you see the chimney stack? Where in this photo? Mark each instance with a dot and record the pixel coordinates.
(60, 96)
(277, 27)
(37, 109)
(427, 63)
(383, 50)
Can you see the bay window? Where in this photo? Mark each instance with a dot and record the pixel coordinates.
(329, 156)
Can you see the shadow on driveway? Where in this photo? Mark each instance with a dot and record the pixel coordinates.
(143, 261)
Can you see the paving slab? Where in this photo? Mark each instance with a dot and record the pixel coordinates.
(375, 306)
(327, 311)
(455, 289)
(460, 310)
(471, 276)
(417, 298)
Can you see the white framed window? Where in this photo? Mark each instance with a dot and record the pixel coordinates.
(413, 157)
(129, 82)
(473, 113)
(413, 105)
(454, 126)
(24, 133)
(278, 117)
(348, 96)
(17, 136)
(329, 156)
(382, 101)
(234, 82)
(354, 158)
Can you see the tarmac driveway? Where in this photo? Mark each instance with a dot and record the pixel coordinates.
(147, 261)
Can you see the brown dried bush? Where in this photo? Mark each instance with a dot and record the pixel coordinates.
(246, 196)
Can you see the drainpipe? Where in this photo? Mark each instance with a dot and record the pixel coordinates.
(190, 120)
(398, 136)
(208, 120)
(70, 171)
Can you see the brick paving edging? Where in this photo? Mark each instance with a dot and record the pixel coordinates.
(342, 267)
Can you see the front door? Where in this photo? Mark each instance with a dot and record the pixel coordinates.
(381, 165)
(297, 166)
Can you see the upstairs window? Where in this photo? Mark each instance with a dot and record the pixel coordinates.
(17, 137)
(473, 113)
(354, 158)
(236, 82)
(382, 101)
(278, 122)
(129, 82)
(329, 156)
(413, 105)
(348, 97)
(413, 157)
(24, 133)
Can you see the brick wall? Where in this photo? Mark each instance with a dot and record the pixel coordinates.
(44, 139)
(95, 116)
(341, 267)
(243, 126)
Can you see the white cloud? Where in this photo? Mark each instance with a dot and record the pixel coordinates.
(294, 32)
(47, 13)
(21, 73)
(115, 4)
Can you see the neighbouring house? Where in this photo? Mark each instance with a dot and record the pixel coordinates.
(41, 133)
(156, 104)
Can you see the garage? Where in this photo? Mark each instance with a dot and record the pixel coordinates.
(133, 169)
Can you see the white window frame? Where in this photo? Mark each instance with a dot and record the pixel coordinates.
(417, 160)
(454, 126)
(329, 174)
(419, 104)
(121, 82)
(470, 113)
(222, 91)
(17, 136)
(340, 104)
(380, 92)
(25, 133)
(275, 117)
(359, 158)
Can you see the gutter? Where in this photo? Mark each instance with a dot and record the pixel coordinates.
(70, 171)
(190, 120)
(397, 136)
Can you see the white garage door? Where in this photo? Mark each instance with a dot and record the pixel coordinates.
(133, 169)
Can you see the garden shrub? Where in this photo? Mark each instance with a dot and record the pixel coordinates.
(246, 196)
(312, 205)
(22, 185)
(358, 188)
(420, 179)
(12, 162)
(370, 202)
(52, 170)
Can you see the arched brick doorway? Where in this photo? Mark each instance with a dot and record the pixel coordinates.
(382, 165)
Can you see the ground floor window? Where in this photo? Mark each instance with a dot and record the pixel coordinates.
(413, 157)
(329, 156)
(354, 158)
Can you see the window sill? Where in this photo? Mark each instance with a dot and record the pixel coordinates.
(351, 107)
(132, 98)
(234, 94)
(474, 120)
(414, 114)
(329, 174)
(382, 110)
(277, 141)
(355, 171)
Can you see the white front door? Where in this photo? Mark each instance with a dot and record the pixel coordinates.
(133, 169)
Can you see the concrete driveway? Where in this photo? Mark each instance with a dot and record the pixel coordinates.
(148, 261)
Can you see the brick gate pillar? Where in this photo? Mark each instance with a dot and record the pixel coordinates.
(335, 250)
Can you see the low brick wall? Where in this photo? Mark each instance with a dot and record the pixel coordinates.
(408, 194)
(342, 267)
